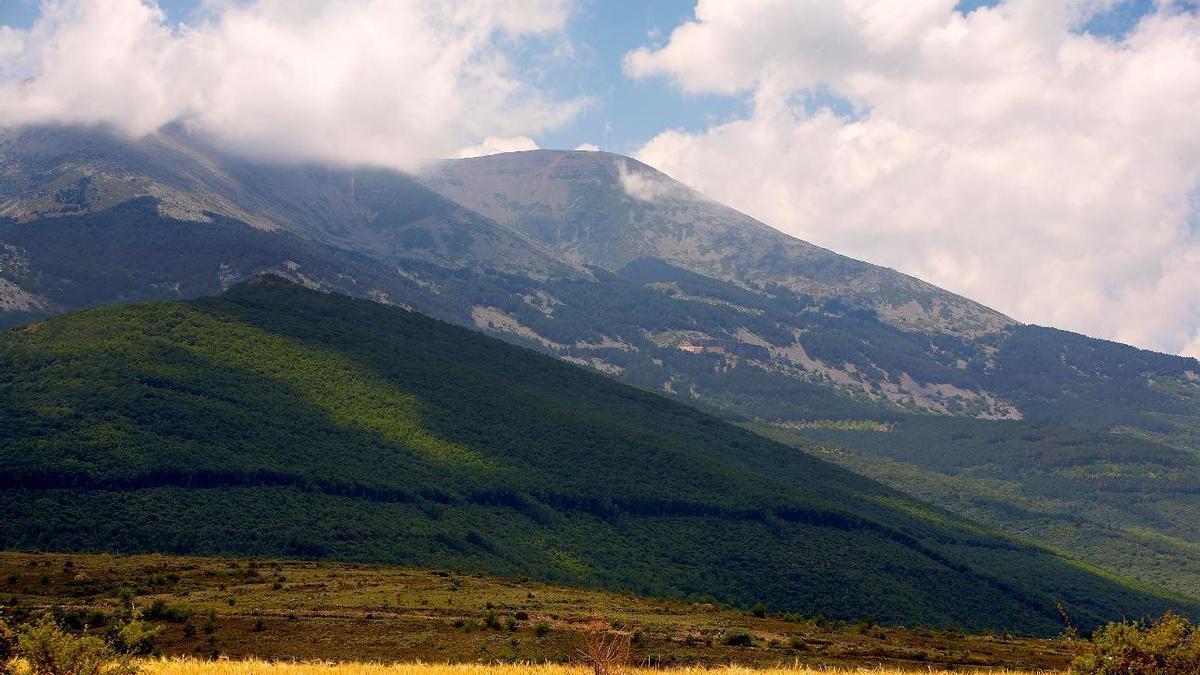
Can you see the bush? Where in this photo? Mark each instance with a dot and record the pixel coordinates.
(606, 653)
(8, 647)
(542, 629)
(759, 610)
(1167, 646)
(159, 610)
(135, 637)
(738, 638)
(50, 651)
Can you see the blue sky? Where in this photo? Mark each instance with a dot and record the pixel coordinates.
(624, 113)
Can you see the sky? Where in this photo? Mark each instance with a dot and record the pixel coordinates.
(1040, 156)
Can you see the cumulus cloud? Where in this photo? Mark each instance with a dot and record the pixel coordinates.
(1005, 154)
(382, 82)
(493, 146)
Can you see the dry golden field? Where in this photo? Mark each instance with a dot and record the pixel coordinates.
(251, 667)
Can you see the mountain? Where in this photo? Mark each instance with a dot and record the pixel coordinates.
(275, 420)
(608, 211)
(1083, 445)
(70, 172)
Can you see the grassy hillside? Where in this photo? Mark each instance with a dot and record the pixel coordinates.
(274, 420)
(1069, 488)
(325, 611)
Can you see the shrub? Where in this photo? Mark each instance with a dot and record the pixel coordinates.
(738, 638)
(161, 611)
(8, 647)
(135, 637)
(606, 653)
(1167, 646)
(50, 651)
(541, 629)
(491, 621)
(759, 610)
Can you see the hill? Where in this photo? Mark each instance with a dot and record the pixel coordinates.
(274, 420)
(1084, 445)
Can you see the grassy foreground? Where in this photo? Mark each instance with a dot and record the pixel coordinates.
(209, 608)
(193, 667)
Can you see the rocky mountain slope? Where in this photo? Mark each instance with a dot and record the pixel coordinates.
(56, 172)
(606, 210)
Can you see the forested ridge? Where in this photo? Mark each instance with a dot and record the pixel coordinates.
(274, 420)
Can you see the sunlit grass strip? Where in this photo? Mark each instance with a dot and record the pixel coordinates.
(253, 667)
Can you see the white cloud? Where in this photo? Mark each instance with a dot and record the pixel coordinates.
(11, 42)
(493, 146)
(587, 147)
(384, 82)
(649, 186)
(1004, 154)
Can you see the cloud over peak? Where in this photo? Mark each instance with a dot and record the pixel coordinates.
(382, 82)
(1005, 154)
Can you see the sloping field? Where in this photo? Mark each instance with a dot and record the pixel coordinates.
(292, 611)
(193, 667)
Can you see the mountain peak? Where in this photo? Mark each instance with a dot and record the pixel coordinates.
(607, 210)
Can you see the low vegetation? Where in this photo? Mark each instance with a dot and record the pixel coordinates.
(156, 615)
(310, 611)
(1169, 645)
(274, 668)
(45, 648)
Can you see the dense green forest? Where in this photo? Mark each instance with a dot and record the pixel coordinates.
(274, 420)
(1119, 500)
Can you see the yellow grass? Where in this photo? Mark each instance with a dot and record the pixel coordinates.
(194, 667)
